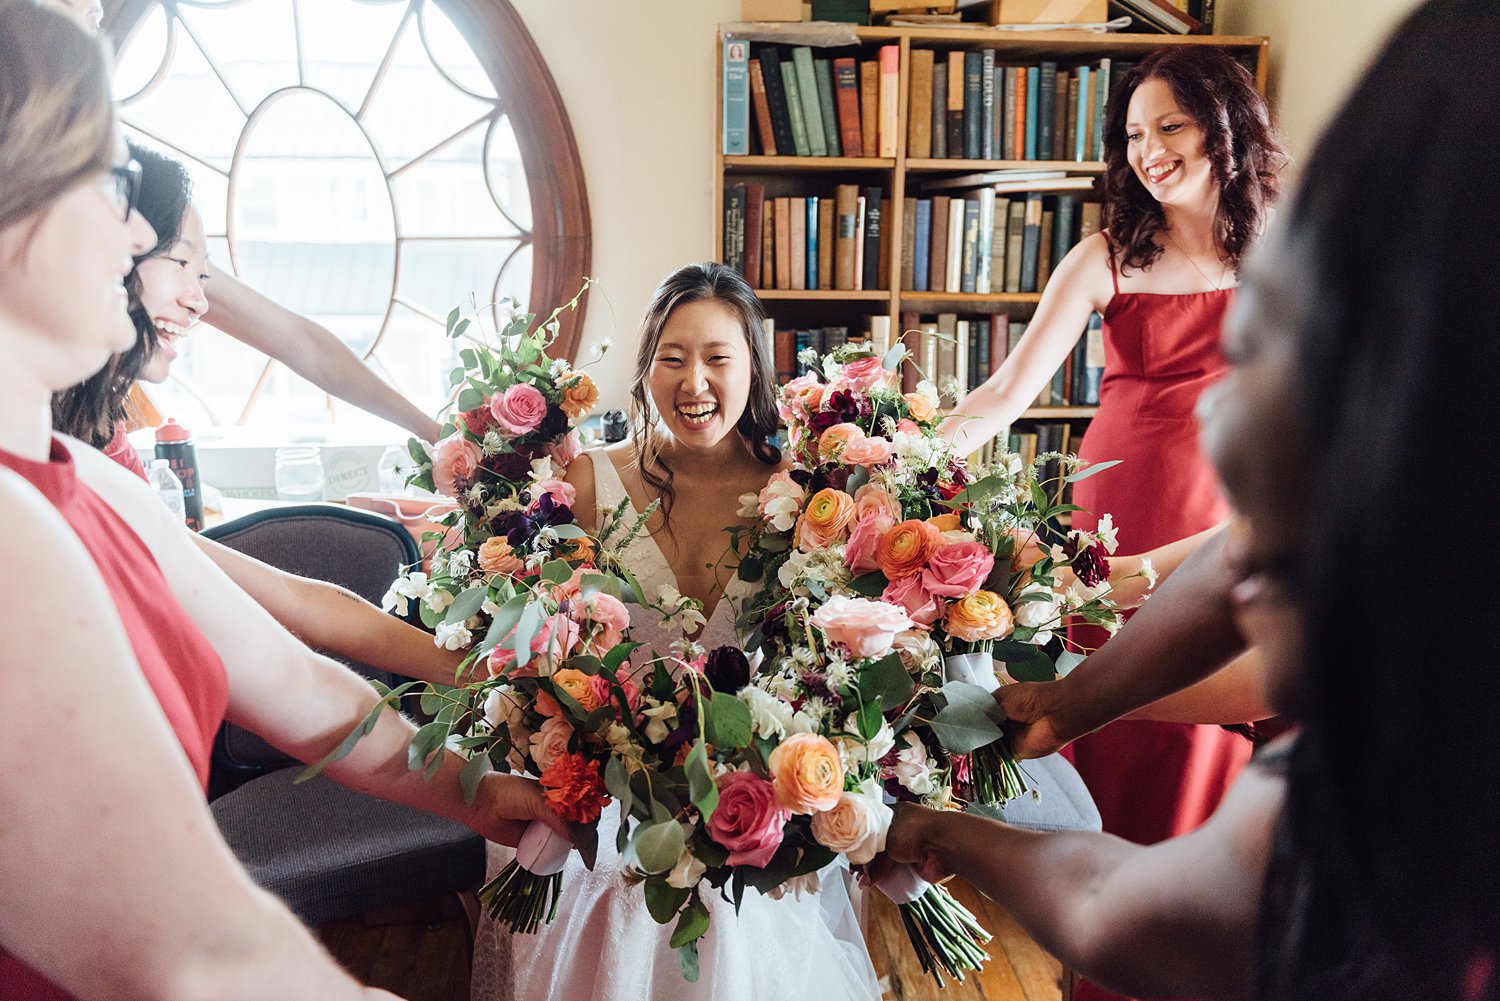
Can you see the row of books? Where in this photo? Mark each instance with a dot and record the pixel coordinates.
(788, 344)
(987, 243)
(959, 353)
(809, 105)
(965, 105)
(808, 241)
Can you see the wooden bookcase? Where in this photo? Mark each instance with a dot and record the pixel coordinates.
(893, 174)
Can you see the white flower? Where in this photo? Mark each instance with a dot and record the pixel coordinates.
(476, 493)
(437, 599)
(491, 443)
(1148, 571)
(913, 770)
(452, 635)
(779, 502)
(407, 587)
(604, 345)
(769, 716)
(488, 607)
(796, 886)
(687, 650)
(686, 873)
(460, 562)
(941, 798)
(547, 538)
(792, 570)
(749, 505)
(661, 717)
(559, 368)
(502, 707)
(801, 723)
(623, 746)
(917, 450)
(855, 751)
(1106, 533)
(541, 469)
(454, 743)
(1044, 615)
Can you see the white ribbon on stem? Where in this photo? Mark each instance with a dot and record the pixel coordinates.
(542, 851)
(902, 884)
(975, 668)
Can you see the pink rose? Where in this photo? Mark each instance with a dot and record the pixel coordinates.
(874, 497)
(859, 553)
(867, 628)
(565, 449)
(867, 452)
(602, 695)
(555, 640)
(801, 397)
(608, 614)
(863, 375)
(454, 460)
(520, 408)
(748, 820)
(957, 569)
(908, 425)
(563, 493)
(922, 606)
(550, 742)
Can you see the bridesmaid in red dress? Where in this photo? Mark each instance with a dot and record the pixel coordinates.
(1185, 197)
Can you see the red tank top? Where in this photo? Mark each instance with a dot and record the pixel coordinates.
(184, 672)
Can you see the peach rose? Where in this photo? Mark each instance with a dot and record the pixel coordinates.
(866, 628)
(856, 826)
(566, 449)
(833, 442)
(579, 395)
(980, 616)
(907, 547)
(562, 492)
(824, 520)
(496, 556)
(923, 607)
(801, 397)
(550, 742)
(608, 614)
(867, 452)
(859, 554)
(454, 460)
(908, 426)
(748, 820)
(874, 497)
(520, 408)
(922, 409)
(807, 773)
(957, 569)
(863, 375)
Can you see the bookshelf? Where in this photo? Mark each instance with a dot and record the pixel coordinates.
(900, 177)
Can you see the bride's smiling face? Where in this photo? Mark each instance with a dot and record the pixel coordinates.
(700, 373)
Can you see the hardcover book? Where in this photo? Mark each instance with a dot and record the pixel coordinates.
(736, 97)
(827, 108)
(890, 96)
(846, 83)
(765, 131)
(807, 95)
(781, 119)
(872, 239)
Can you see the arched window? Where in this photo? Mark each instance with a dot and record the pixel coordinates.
(368, 163)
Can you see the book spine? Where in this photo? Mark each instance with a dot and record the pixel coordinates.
(998, 243)
(846, 208)
(1018, 122)
(786, 355)
(955, 117)
(1031, 234)
(1089, 220)
(938, 121)
(987, 129)
(846, 79)
(937, 259)
(734, 227)
(827, 107)
(922, 252)
(890, 96)
(794, 110)
(909, 245)
(810, 206)
(736, 97)
(860, 209)
(1078, 362)
(826, 242)
(1101, 97)
(1046, 111)
(919, 119)
(807, 97)
(872, 238)
(986, 248)
(1093, 373)
(997, 113)
(755, 214)
(1081, 139)
(1044, 250)
(783, 221)
(1070, 139)
(765, 132)
(781, 119)
(979, 368)
(1033, 92)
(883, 276)
(963, 349)
(911, 339)
(1062, 228)
(1008, 102)
(1015, 229)
(768, 245)
(953, 281)
(869, 106)
(969, 274)
(999, 340)
(880, 334)
(798, 234)
(1060, 147)
(974, 109)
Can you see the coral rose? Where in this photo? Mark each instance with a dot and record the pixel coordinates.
(748, 820)
(922, 607)
(859, 554)
(550, 742)
(574, 789)
(866, 628)
(454, 460)
(801, 397)
(833, 442)
(807, 773)
(824, 520)
(565, 449)
(922, 409)
(906, 548)
(579, 395)
(496, 556)
(856, 826)
(980, 616)
(520, 409)
(957, 569)
(867, 452)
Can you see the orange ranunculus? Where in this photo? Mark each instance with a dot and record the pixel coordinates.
(579, 395)
(983, 615)
(807, 773)
(831, 442)
(580, 549)
(495, 556)
(824, 520)
(906, 548)
(574, 788)
(945, 522)
(577, 684)
(922, 409)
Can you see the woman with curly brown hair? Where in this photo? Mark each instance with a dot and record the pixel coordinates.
(1191, 164)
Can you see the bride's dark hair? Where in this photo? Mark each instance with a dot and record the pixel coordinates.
(708, 282)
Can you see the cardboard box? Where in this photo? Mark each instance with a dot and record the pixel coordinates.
(1049, 11)
(770, 10)
(936, 7)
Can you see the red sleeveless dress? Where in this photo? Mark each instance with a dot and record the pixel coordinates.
(1154, 781)
(184, 672)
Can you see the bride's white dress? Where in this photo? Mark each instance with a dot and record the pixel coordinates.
(605, 946)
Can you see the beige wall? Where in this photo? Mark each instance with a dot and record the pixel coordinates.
(637, 77)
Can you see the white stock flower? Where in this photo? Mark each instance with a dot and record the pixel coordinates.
(686, 873)
(452, 635)
(792, 570)
(1148, 571)
(779, 502)
(407, 587)
(437, 599)
(1043, 615)
(769, 716)
(1106, 533)
(661, 718)
(856, 751)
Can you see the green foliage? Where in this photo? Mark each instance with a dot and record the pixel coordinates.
(727, 722)
(656, 846)
(886, 682)
(971, 718)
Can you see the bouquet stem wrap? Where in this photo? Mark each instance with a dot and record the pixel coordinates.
(945, 935)
(525, 893)
(994, 776)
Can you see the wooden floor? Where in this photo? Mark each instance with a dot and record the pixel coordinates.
(422, 954)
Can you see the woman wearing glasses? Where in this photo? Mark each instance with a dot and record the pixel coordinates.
(124, 646)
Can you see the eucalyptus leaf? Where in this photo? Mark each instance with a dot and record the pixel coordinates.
(1090, 470)
(692, 925)
(886, 682)
(466, 604)
(965, 724)
(461, 327)
(452, 319)
(423, 743)
(361, 729)
(1028, 663)
(657, 846)
(619, 654)
(617, 781)
(418, 453)
(1067, 660)
(504, 621)
(470, 398)
(473, 772)
(701, 788)
(556, 571)
(893, 358)
(728, 722)
(751, 569)
(526, 630)
(664, 901)
(687, 958)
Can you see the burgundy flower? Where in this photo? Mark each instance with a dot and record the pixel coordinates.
(727, 669)
(1091, 566)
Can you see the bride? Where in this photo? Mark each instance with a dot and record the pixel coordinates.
(704, 399)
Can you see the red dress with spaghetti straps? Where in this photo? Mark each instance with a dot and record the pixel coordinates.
(183, 670)
(1153, 781)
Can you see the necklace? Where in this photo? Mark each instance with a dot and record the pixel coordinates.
(1218, 285)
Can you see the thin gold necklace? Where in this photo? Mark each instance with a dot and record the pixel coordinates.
(1218, 285)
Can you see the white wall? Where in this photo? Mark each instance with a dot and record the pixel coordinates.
(637, 78)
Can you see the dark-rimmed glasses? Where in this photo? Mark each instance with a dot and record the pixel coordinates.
(124, 184)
